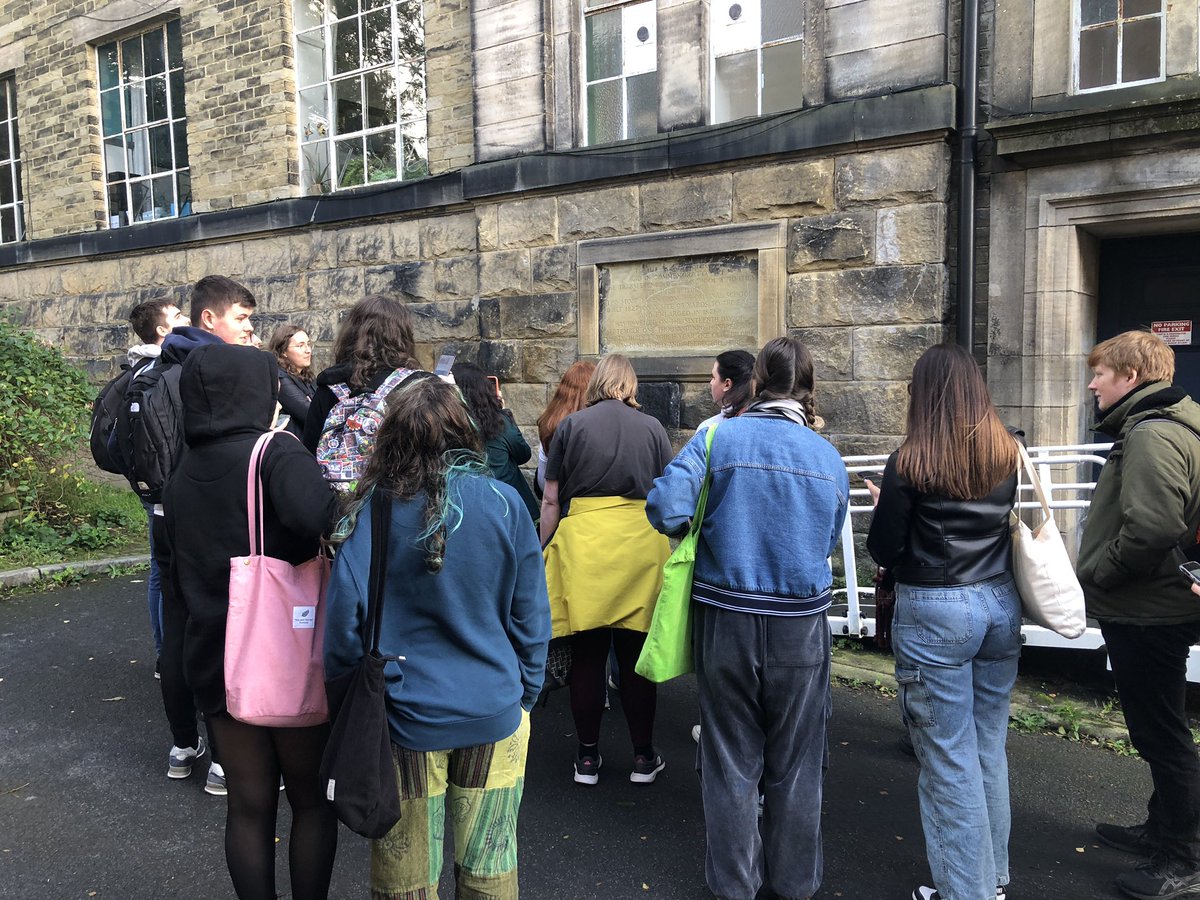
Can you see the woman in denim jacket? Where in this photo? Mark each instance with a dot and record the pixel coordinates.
(761, 637)
(941, 530)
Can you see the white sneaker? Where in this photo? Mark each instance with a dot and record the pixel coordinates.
(215, 784)
(181, 759)
(696, 733)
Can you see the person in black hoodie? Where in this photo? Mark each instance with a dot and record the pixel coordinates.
(229, 395)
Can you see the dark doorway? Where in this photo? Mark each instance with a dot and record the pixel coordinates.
(1151, 280)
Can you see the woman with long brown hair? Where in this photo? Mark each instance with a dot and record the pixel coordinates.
(941, 532)
(569, 397)
(293, 351)
(465, 603)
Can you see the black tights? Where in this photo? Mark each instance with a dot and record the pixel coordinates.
(639, 697)
(253, 758)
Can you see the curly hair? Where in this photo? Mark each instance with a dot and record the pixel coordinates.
(376, 335)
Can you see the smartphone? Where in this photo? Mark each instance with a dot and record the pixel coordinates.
(444, 363)
(1191, 570)
(495, 384)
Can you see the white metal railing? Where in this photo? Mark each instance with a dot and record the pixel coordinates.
(1073, 492)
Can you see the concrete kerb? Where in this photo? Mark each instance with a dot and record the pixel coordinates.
(18, 577)
(1028, 702)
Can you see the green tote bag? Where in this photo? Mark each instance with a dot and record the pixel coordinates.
(667, 652)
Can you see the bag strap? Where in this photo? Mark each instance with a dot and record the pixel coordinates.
(254, 498)
(381, 526)
(1036, 482)
(698, 518)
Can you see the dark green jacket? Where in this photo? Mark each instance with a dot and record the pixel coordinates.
(1147, 502)
(505, 453)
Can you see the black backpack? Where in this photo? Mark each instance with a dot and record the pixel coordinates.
(149, 429)
(105, 409)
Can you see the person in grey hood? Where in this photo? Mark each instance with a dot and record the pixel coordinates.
(229, 396)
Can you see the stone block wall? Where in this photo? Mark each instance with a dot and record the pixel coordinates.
(497, 282)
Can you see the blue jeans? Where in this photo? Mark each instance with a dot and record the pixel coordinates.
(154, 586)
(956, 661)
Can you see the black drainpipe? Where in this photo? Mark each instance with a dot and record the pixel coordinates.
(968, 94)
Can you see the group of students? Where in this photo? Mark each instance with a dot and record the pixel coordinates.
(480, 576)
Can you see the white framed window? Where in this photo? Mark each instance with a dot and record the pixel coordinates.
(12, 203)
(756, 57)
(360, 69)
(144, 126)
(620, 59)
(1118, 43)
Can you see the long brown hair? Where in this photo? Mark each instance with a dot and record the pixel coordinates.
(567, 398)
(783, 370)
(426, 439)
(278, 344)
(956, 444)
(376, 334)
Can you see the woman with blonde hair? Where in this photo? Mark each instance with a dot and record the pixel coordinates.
(941, 531)
(603, 560)
(569, 397)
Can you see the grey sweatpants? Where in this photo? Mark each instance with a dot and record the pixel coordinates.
(764, 705)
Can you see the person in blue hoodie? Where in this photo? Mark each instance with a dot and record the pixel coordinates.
(761, 639)
(465, 603)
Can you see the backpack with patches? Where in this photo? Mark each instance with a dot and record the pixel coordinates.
(149, 429)
(348, 436)
(105, 409)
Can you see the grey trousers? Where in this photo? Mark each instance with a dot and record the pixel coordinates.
(764, 705)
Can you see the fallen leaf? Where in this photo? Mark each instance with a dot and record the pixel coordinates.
(108, 700)
(645, 887)
(1079, 850)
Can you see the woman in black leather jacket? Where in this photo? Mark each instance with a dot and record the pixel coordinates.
(941, 530)
(293, 352)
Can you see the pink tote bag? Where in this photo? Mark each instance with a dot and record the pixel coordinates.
(275, 630)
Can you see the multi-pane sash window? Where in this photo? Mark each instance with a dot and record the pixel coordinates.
(1119, 42)
(756, 49)
(12, 206)
(144, 126)
(620, 58)
(360, 66)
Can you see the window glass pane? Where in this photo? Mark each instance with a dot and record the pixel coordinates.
(307, 13)
(135, 104)
(174, 44)
(160, 149)
(1140, 53)
(179, 130)
(137, 152)
(156, 98)
(110, 111)
(343, 8)
(131, 58)
(1131, 8)
(604, 45)
(381, 156)
(6, 183)
(177, 108)
(604, 112)
(143, 209)
(4, 154)
(310, 57)
(345, 46)
(114, 158)
(1098, 57)
(109, 73)
(416, 150)
(154, 52)
(783, 77)
(410, 34)
(736, 93)
(642, 93)
(4, 91)
(8, 225)
(350, 162)
(377, 38)
(183, 190)
(1093, 12)
(17, 182)
(782, 19)
(163, 197)
(314, 117)
(412, 91)
(347, 95)
(315, 167)
(381, 99)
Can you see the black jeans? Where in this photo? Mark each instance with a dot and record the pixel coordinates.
(178, 702)
(1149, 664)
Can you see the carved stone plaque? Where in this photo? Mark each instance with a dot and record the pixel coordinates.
(682, 306)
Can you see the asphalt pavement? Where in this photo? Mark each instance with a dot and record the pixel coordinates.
(86, 809)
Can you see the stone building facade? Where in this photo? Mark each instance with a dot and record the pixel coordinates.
(824, 183)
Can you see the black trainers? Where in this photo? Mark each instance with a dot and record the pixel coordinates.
(587, 769)
(646, 769)
(1161, 879)
(1130, 838)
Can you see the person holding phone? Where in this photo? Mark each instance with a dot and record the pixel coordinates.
(505, 445)
(1145, 510)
